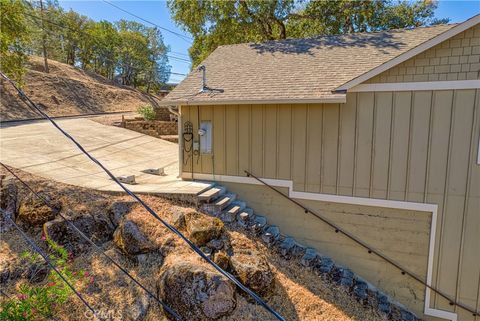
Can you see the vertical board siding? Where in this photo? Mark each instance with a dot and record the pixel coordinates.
(219, 140)
(284, 142)
(231, 135)
(314, 148)
(256, 127)
(400, 142)
(455, 193)
(270, 142)
(299, 147)
(347, 147)
(410, 146)
(467, 291)
(330, 149)
(381, 156)
(364, 141)
(418, 145)
(244, 139)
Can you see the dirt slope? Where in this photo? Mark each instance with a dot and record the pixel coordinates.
(298, 294)
(67, 90)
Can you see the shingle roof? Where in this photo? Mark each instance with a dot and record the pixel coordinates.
(295, 69)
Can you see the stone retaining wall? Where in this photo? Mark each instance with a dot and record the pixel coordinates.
(162, 113)
(157, 128)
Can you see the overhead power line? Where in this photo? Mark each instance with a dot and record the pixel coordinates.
(96, 247)
(183, 37)
(194, 247)
(87, 35)
(50, 264)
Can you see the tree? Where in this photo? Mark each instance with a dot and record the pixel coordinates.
(14, 38)
(213, 23)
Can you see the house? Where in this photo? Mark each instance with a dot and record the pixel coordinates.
(379, 132)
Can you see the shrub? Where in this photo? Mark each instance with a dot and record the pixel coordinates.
(147, 112)
(34, 302)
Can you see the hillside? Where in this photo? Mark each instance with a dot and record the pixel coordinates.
(160, 260)
(67, 90)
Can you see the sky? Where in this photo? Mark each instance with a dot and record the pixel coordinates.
(158, 13)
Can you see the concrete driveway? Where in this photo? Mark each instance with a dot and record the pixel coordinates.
(40, 149)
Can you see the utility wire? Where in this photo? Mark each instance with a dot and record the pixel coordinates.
(195, 248)
(183, 37)
(44, 200)
(52, 266)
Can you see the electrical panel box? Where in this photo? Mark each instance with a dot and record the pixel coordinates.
(205, 133)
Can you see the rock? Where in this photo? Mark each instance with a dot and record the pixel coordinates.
(130, 239)
(34, 212)
(287, 246)
(118, 210)
(272, 233)
(252, 269)
(407, 315)
(325, 265)
(215, 244)
(8, 202)
(206, 250)
(344, 277)
(97, 228)
(244, 217)
(196, 292)
(178, 219)
(309, 258)
(383, 303)
(222, 260)
(201, 228)
(137, 311)
(259, 223)
(228, 217)
(360, 289)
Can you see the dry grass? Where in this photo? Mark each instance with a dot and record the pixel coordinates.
(299, 294)
(67, 90)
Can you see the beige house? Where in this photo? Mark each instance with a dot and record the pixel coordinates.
(378, 132)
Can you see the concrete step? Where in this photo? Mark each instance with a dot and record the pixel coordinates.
(218, 205)
(212, 193)
(229, 215)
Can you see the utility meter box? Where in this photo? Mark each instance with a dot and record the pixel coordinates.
(205, 133)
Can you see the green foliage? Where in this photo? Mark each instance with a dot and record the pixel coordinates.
(14, 38)
(35, 302)
(147, 112)
(126, 51)
(213, 23)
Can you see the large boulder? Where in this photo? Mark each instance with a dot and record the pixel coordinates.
(196, 292)
(34, 212)
(118, 210)
(202, 228)
(98, 228)
(252, 269)
(130, 239)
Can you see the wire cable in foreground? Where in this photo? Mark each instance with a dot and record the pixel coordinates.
(195, 248)
(50, 264)
(73, 226)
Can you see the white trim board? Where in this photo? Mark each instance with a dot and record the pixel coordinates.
(416, 86)
(423, 207)
(411, 53)
(339, 99)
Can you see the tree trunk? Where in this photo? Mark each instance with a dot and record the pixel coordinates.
(44, 42)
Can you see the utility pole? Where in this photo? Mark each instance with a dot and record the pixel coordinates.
(44, 41)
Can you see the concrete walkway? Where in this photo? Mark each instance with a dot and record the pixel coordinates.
(40, 149)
